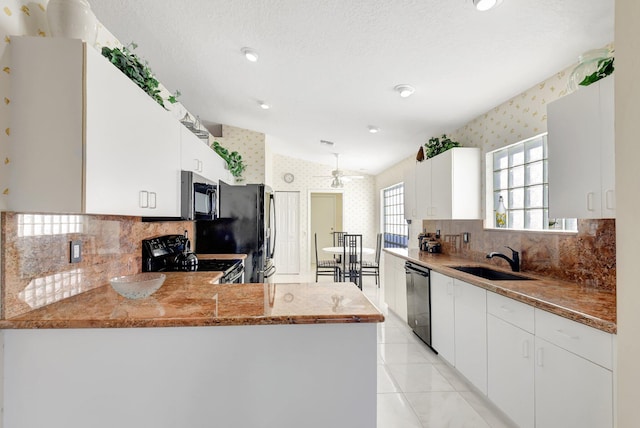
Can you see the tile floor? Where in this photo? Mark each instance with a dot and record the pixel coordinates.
(416, 389)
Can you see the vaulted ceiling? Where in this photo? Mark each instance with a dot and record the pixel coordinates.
(328, 68)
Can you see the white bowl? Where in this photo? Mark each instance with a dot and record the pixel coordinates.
(138, 286)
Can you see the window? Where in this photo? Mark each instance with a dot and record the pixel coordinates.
(395, 227)
(518, 173)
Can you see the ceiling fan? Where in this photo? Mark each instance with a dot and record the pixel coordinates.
(338, 177)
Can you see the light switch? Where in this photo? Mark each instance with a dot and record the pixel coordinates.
(75, 252)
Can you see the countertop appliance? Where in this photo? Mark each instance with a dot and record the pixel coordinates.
(169, 252)
(419, 300)
(246, 225)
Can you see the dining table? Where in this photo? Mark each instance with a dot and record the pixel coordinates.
(352, 275)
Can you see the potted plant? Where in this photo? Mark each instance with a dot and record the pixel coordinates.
(436, 145)
(234, 160)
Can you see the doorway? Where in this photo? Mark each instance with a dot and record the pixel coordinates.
(325, 217)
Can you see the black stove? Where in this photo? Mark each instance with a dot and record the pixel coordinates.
(164, 253)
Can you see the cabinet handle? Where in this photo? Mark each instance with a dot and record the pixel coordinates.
(505, 309)
(590, 201)
(539, 355)
(567, 335)
(144, 199)
(152, 200)
(525, 349)
(610, 199)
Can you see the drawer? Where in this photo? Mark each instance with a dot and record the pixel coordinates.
(517, 313)
(590, 343)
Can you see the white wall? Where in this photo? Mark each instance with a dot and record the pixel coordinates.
(627, 92)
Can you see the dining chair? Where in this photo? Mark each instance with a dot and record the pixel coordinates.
(372, 268)
(351, 259)
(326, 267)
(338, 241)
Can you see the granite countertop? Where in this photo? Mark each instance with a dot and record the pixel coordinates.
(192, 299)
(584, 304)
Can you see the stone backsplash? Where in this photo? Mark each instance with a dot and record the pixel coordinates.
(35, 254)
(587, 257)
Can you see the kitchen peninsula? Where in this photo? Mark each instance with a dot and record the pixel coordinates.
(258, 355)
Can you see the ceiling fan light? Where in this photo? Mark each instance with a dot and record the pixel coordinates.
(484, 5)
(405, 90)
(250, 54)
(336, 183)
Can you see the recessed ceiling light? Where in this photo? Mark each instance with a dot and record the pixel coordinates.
(250, 54)
(373, 129)
(484, 5)
(405, 90)
(263, 105)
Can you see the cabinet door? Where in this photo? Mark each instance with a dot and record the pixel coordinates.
(510, 375)
(198, 157)
(442, 316)
(389, 284)
(401, 289)
(471, 333)
(132, 146)
(410, 194)
(575, 131)
(441, 186)
(571, 391)
(423, 189)
(607, 152)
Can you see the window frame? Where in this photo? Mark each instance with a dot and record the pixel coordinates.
(395, 232)
(517, 196)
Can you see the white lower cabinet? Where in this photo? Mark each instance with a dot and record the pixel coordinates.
(395, 285)
(511, 370)
(471, 332)
(573, 388)
(442, 316)
(459, 326)
(540, 369)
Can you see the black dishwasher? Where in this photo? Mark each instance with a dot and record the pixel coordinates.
(419, 301)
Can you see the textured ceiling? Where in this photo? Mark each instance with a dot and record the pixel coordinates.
(328, 68)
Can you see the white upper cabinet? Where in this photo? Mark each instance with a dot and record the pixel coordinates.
(581, 153)
(447, 186)
(410, 193)
(85, 139)
(196, 156)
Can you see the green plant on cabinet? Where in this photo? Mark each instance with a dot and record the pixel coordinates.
(233, 159)
(436, 145)
(138, 71)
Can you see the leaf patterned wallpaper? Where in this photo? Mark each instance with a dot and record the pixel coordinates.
(251, 145)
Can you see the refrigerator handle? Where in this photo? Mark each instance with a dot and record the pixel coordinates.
(273, 207)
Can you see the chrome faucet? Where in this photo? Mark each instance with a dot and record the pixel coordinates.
(514, 262)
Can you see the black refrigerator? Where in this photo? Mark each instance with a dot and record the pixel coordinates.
(246, 225)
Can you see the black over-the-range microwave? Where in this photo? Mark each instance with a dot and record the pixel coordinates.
(198, 197)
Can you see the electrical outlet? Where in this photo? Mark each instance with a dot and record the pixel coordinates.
(75, 251)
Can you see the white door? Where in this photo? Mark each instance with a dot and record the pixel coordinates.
(287, 254)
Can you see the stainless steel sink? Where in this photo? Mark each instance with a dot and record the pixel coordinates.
(488, 273)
